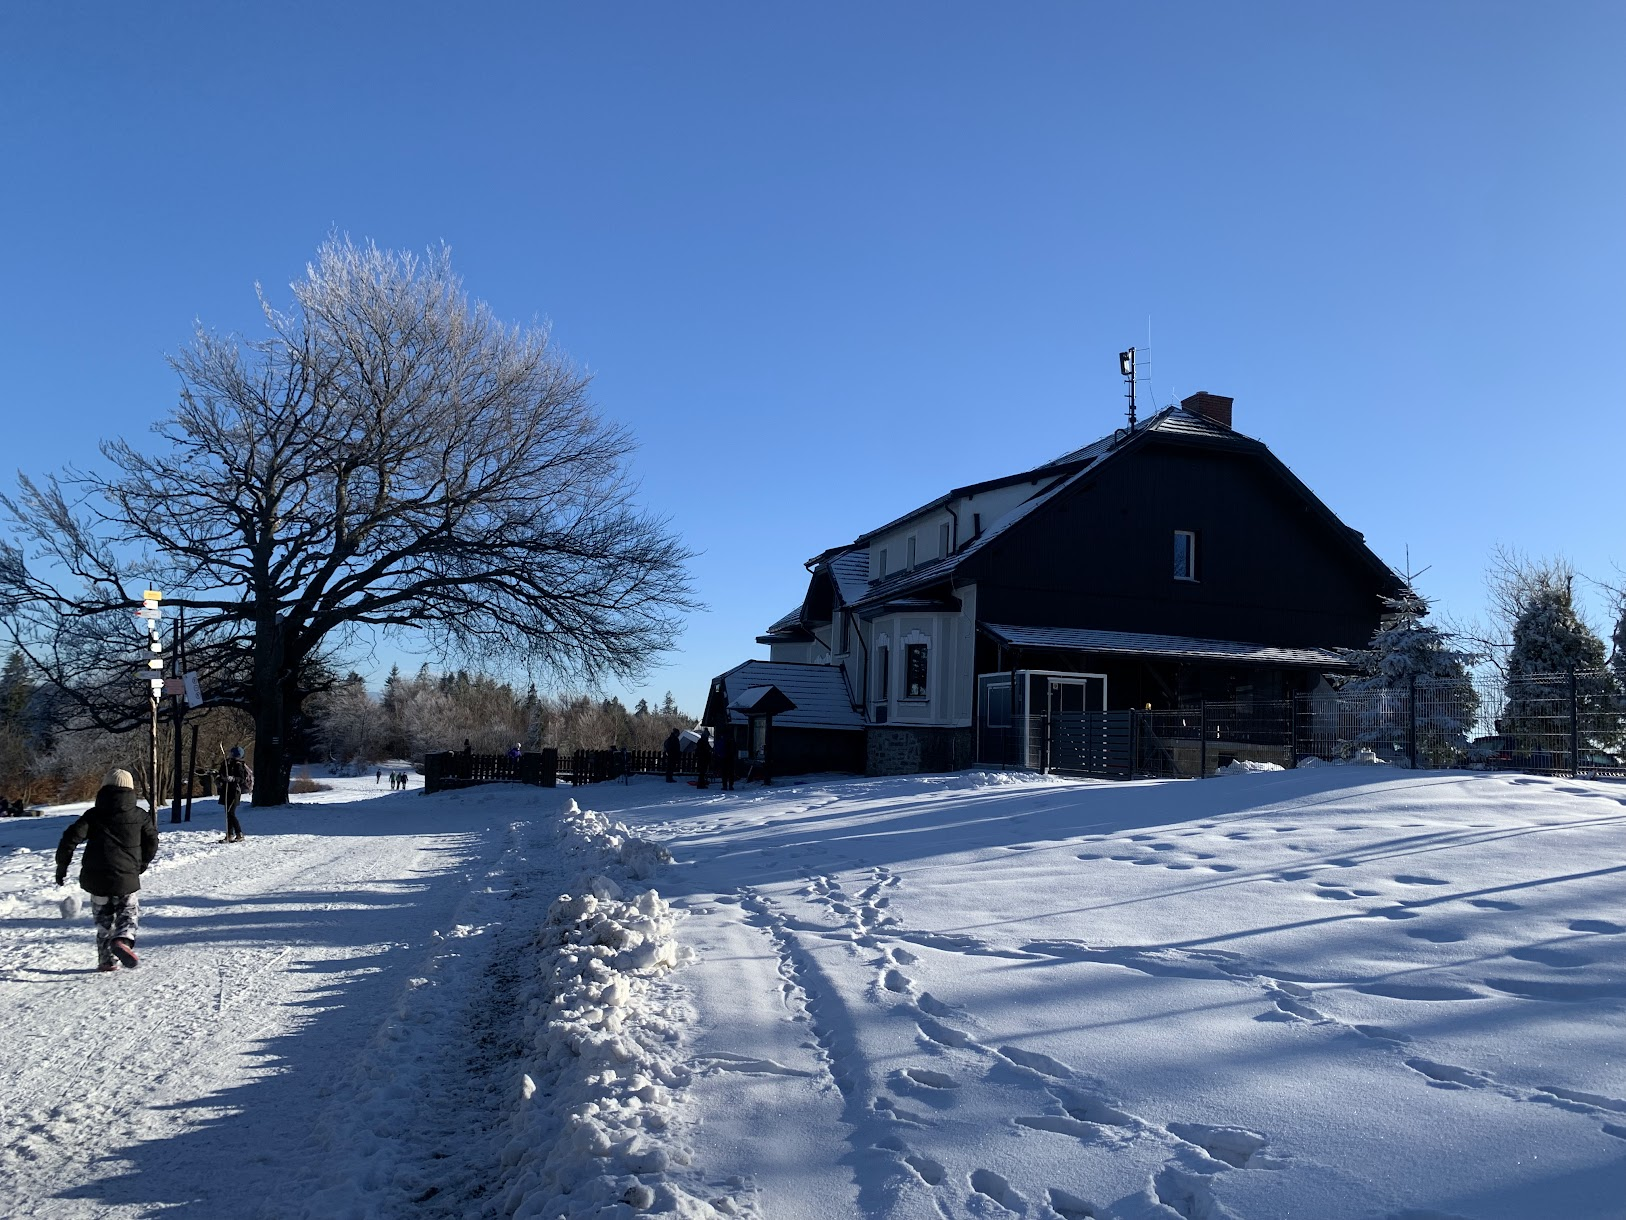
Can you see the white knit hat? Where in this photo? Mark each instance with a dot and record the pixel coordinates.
(118, 777)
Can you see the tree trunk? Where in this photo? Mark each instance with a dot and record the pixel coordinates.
(270, 715)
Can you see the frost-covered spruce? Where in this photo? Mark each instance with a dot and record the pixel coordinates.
(1551, 641)
(1406, 650)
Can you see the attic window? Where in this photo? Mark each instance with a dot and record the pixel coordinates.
(911, 565)
(1185, 554)
(943, 539)
(880, 571)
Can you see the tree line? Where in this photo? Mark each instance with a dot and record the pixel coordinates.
(415, 716)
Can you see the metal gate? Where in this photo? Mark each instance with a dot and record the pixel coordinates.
(1090, 743)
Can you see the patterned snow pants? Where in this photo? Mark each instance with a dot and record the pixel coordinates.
(117, 918)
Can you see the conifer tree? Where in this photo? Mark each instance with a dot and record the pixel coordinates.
(1551, 641)
(1407, 654)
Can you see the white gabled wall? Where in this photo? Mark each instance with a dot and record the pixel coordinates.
(992, 506)
(949, 684)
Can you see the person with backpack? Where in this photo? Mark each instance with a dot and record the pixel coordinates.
(236, 779)
(120, 840)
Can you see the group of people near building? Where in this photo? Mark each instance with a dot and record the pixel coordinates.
(724, 753)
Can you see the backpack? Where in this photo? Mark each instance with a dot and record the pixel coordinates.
(243, 774)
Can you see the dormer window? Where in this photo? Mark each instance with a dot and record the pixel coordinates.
(1185, 554)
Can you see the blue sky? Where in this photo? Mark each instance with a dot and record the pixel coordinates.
(827, 261)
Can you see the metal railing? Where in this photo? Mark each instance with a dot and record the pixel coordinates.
(1550, 724)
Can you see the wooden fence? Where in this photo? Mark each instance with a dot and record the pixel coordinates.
(546, 768)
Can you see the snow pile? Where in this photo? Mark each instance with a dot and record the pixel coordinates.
(593, 1132)
(1245, 766)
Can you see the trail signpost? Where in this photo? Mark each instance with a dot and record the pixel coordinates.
(153, 615)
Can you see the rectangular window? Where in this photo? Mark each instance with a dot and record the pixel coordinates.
(943, 539)
(1185, 555)
(911, 565)
(999, 706)
(914, 677)
(883, 674)
(880, 570)
(845, 620)
(976, 525)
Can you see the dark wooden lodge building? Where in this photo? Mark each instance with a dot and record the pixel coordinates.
(1169, 563)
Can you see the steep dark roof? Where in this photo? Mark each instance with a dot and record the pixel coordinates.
(819, 692)
(1170, 424)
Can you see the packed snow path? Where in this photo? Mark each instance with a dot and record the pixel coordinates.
(262, 1058)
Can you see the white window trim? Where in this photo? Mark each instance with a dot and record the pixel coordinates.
(1191, 555)
(917, 637)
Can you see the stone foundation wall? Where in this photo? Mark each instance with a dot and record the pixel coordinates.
(900, 750)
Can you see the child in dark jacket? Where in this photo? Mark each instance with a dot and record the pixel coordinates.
(120, 841)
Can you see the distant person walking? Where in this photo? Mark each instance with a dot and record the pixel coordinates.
(702, 759)
(120, 841)
(236, 779)
(728, 758)
(673, 747)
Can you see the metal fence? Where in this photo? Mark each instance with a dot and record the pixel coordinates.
(1550, 724)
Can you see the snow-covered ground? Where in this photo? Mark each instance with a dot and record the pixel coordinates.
(1336, 992)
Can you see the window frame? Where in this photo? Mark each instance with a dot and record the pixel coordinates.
(912, 649)
(1189, 556)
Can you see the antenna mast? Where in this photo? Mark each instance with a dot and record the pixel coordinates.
(1126, 366)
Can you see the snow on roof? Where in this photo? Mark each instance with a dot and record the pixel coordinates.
(1178, 646)
(850, 571)
(819, 692)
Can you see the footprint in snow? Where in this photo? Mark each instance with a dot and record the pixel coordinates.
(896, 980)
(929, 1171)
(932, 1006)
(1448, 1076)
(1235, 1146)
(1059, 1124)
(925, 1078)
(943, 1035)
(902, 956)
(1492, 904)
(1223, 868)
(1420, 991)
(1069, 1206)
(987, 1182)
(1036, 1062)
(1415, 879)
(1438, 936)
(1601, 926)
(1559, 959)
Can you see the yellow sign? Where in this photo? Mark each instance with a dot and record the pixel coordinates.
(152, 595)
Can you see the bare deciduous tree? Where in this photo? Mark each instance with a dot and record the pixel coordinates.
(389, 456)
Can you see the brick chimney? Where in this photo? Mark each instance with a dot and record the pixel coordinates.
(1215, 408)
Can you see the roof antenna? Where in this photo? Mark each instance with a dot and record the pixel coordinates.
(1126, 366)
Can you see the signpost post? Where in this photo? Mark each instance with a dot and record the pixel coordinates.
(155, 689)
